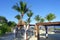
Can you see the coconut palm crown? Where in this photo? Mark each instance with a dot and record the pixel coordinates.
(21, 7)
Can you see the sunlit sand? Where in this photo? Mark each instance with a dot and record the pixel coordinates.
(41, 32)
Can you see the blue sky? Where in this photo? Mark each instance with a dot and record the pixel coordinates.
(38, 7)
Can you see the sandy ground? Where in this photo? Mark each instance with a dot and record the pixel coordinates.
(49, 32)
(41, 36)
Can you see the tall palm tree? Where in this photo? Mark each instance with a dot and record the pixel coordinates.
(21, 7)
(49, 17)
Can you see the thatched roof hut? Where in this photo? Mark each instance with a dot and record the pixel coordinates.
(20, 23)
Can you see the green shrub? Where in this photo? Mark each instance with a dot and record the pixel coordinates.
(8, 29)
(4, 28)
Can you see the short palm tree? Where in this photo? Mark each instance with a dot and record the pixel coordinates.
(37, 18)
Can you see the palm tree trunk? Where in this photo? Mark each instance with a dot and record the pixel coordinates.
(22, 15)
(25, 35)
(25, 32)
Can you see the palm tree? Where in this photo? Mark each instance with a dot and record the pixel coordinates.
(38, 19)
(49, 17)
(21, 7)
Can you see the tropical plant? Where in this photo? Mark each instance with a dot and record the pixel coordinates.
(5, 26)
(22, 8)
(50, 16)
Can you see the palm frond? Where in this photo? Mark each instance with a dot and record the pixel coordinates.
(30, 14)
(16, 7)
(28, 20)
(18, 17)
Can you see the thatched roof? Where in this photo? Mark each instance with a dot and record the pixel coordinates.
(21, 23)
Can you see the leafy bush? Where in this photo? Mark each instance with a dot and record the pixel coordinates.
(4, 28)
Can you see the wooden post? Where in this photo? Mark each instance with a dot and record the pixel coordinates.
(46, 28)
(37, 32)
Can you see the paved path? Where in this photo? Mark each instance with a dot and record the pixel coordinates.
(31, 37)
